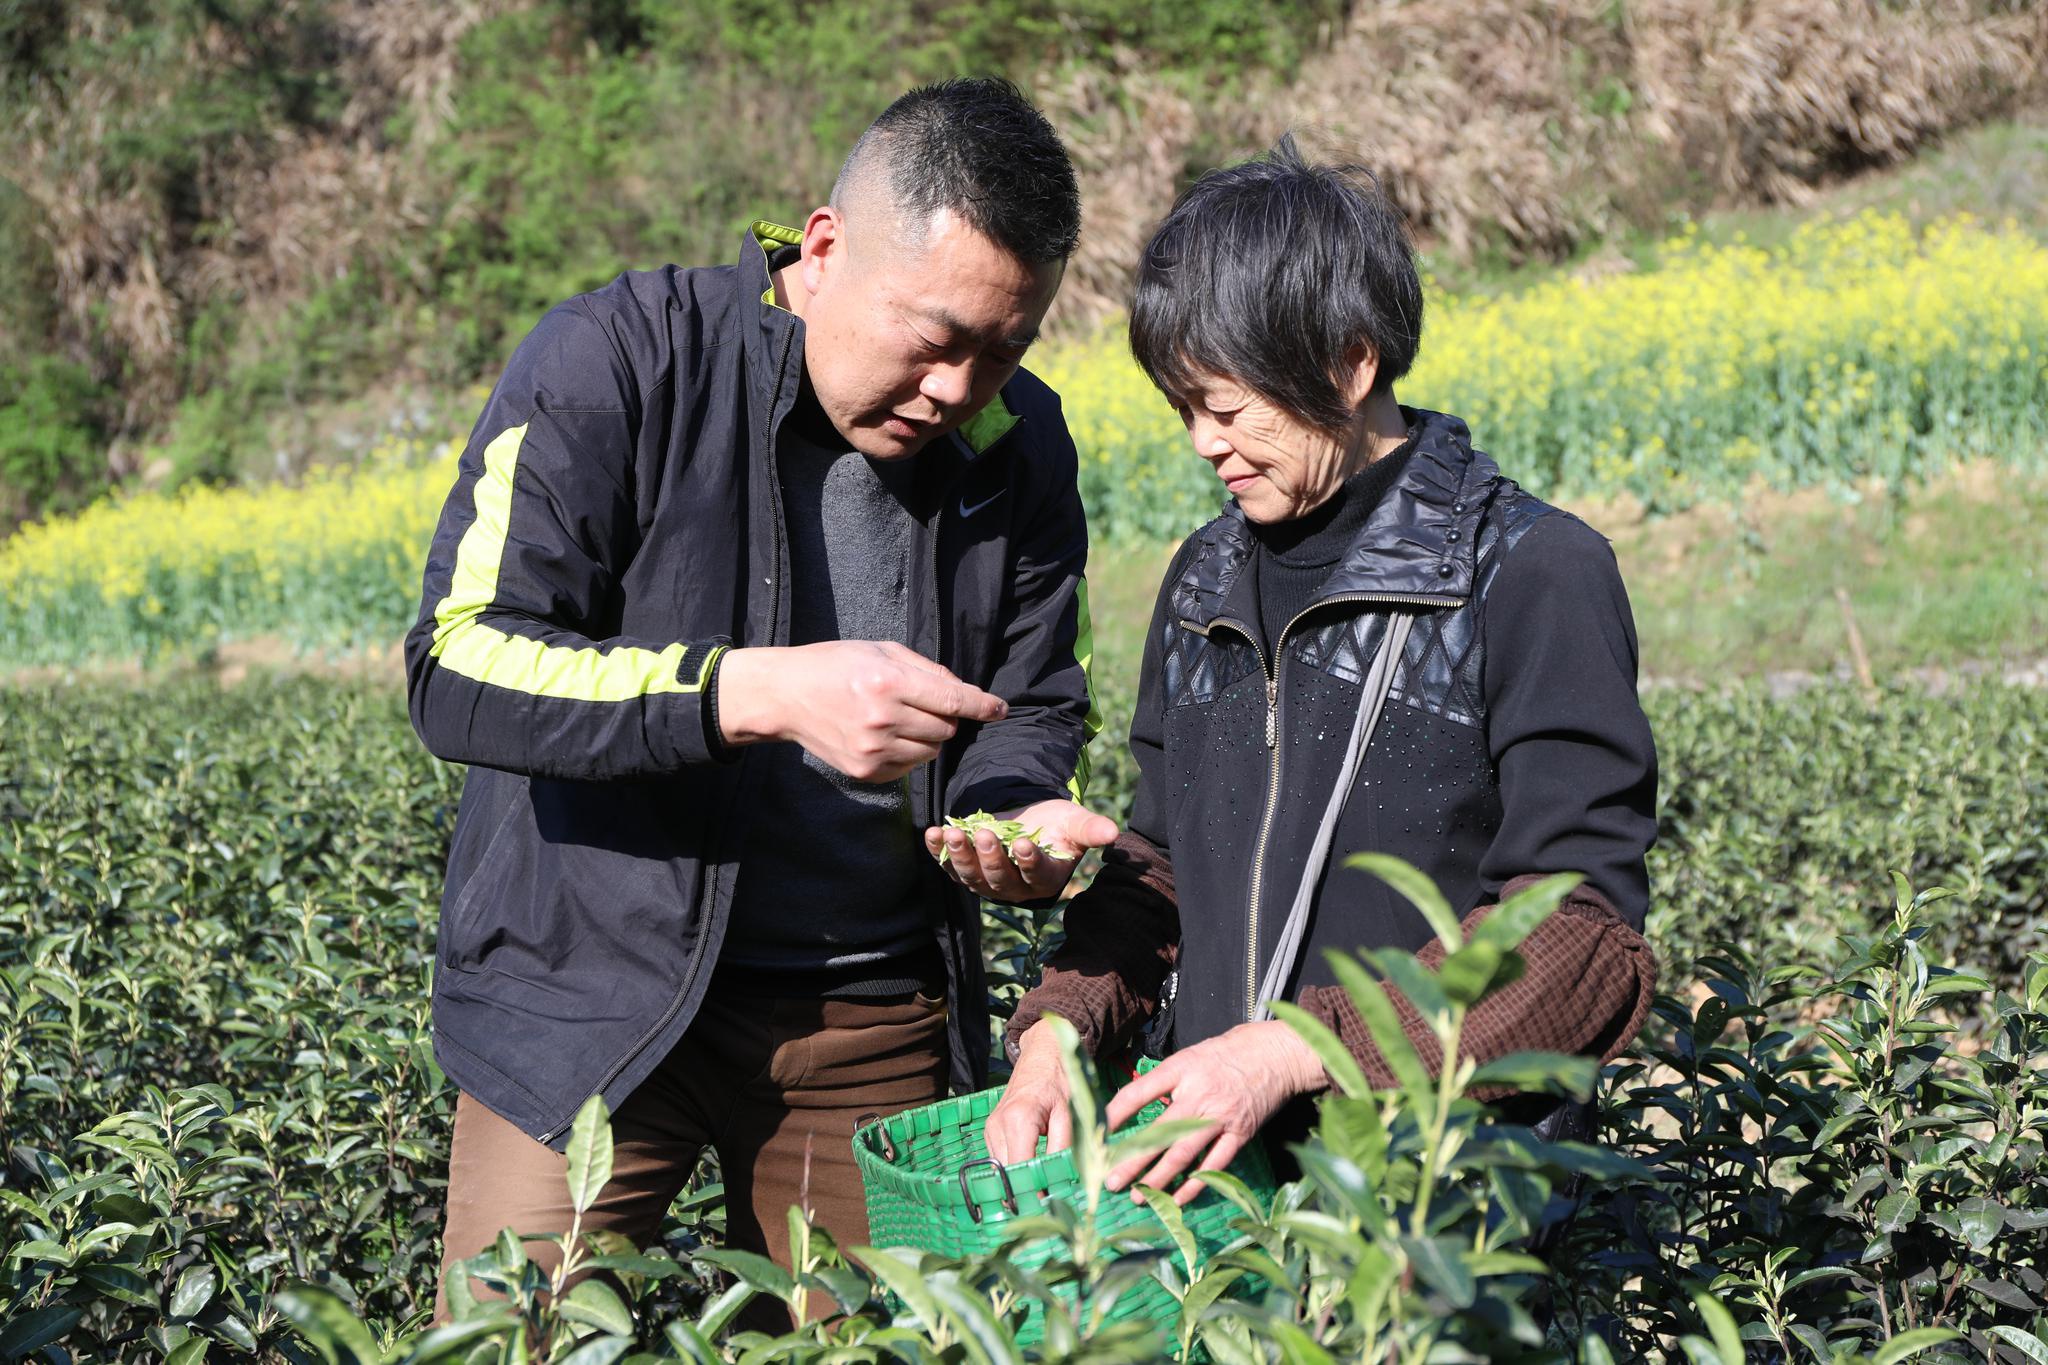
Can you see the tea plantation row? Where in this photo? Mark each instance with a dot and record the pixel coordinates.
(223, 1131)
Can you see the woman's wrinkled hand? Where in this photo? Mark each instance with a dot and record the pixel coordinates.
(1236, 1081)
(1034, 1103)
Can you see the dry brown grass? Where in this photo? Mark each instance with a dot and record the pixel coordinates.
(1526, 128)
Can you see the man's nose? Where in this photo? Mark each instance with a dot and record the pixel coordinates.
(948, 385)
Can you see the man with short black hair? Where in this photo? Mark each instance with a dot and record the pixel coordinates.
(749, 578)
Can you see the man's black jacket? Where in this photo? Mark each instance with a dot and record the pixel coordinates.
(616, 522)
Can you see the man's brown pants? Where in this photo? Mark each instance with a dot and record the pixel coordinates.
(774, 1085)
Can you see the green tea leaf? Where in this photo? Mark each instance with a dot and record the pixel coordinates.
(37, 1328)
(1413, 980)
(1467, 974)
(1912, 1343)
(1511, 922)
(330, 1326)
(1720, 1325)
(1384, 1024)
(1416, 887)
(590, 1154)
(1897, 1210)
(2026, 1343)
(1329, 1049)
(594, 1303)
(1574, 1076)
(194, 1290)
(1174, 1221)
(751, 1268)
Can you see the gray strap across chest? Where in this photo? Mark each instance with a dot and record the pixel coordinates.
(1379, 681)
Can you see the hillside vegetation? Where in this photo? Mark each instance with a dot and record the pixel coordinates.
(221, 218)
(1856, 352)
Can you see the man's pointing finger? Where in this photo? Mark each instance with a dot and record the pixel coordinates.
(943, 698)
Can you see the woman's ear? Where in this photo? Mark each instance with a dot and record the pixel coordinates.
(1362, 364)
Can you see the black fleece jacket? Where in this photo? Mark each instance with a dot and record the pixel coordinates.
(1512, 744)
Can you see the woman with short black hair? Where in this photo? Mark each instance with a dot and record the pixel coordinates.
(1383, 644)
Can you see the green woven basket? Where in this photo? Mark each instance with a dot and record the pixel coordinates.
(931, 1185)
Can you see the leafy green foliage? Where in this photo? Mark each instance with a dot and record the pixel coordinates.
(1835, 1155)
(225, 1135)
(52, 436)
(1775, 814)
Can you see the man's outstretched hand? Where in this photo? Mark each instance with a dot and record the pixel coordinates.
(1026, 871)
(873, 711)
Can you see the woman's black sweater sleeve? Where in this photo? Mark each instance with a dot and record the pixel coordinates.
(1577, 763)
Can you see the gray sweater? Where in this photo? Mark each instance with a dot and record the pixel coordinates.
(833, 880)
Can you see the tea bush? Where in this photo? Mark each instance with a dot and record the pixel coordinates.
(224, 1133)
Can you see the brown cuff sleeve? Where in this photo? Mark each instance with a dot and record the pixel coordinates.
(1123, 935)
(1586, 990)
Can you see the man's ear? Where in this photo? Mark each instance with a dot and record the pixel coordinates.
(823, 248)
(1362, 367)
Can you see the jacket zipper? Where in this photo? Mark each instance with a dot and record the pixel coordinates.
(1272, 672)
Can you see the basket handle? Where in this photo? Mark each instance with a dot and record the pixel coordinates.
(967, 1195)
(888, 1147)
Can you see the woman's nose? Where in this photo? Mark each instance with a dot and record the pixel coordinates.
(1210, 441)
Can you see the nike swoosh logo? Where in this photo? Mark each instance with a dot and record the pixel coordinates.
(966, 511)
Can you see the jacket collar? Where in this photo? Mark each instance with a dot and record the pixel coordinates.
(1418, 546)
(772, 335)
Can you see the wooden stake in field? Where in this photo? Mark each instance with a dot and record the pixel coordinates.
(1857, 655)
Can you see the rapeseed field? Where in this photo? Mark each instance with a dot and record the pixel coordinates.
(1855, 350)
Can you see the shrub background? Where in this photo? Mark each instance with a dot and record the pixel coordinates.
(216, 929)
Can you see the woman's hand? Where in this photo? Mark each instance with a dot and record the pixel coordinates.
(1034, 1103)
(1237, 1081)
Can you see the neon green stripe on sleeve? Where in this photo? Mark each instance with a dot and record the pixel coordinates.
(471, 647)
(1084, 652)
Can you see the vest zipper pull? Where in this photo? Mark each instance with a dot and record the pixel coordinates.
(1273, 713)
